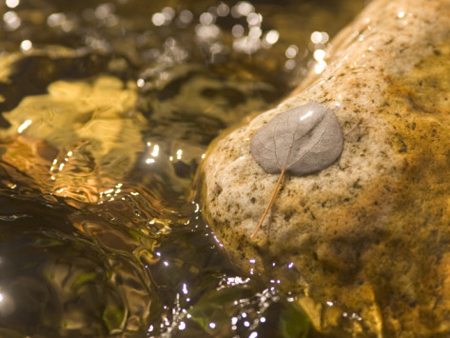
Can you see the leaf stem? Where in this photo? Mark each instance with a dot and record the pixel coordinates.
(272, 199)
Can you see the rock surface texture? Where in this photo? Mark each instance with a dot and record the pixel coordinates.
(364, 245)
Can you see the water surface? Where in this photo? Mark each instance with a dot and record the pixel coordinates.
(107, 110)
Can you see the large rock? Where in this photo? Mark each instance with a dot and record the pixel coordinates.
(364, 245)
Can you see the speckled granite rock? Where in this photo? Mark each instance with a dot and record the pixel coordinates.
(365, 243)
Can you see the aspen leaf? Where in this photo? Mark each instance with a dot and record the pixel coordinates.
(300, 141)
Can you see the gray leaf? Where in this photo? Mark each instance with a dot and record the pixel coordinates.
(300, 141)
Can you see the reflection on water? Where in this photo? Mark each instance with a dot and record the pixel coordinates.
(55, 278)
(107, 110)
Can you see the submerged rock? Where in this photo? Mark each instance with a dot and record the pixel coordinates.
(88, 131)
(364, 245)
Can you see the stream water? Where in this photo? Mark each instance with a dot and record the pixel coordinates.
(107, 109)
